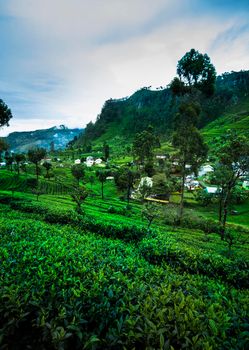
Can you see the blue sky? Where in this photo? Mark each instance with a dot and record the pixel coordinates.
(61, 59)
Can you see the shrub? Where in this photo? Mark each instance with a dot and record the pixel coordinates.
(64, 290)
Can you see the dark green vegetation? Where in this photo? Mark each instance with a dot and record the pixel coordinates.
(121, 119)
(63, 287)
(102, 280)
(89, 261)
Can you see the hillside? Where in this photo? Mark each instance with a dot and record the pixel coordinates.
(120, 119)
(58, 136)
(234, 118)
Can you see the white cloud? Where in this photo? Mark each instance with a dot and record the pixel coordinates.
(72, 55)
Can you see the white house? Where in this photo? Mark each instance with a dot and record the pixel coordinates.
(77, 161)
(211, 190)
(89, 163)
(98, 161)
(2, 164)
(205, 169)
(192, 185)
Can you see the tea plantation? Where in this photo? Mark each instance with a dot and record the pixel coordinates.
(63, 287)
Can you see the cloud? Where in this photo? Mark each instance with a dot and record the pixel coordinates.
(62, 59)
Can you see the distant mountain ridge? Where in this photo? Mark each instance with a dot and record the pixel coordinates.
(57, 137)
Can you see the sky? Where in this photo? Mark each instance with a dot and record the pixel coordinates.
(60, 60)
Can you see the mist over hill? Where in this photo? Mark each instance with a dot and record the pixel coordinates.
(57, 137)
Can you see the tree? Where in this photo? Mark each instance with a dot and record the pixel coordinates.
(102, 175)
(5, 114)
(196, 70)
(78, 172)
(47, 166)
(232, 152)
(106, 151)
(161, 184)
(79, 194)
(150, 212)
(35, 155)
(3, 147)
(144, 143)
(189, 142)
(19, 158)
(125, 179)
(9, 160)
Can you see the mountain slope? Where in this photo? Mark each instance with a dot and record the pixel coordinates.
(57, 137)
(120, 119)
(235, 118)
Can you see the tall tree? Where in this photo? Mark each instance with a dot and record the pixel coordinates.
(78, 172)
(35, 155)
(19, 158)
(106, 151)
(144, 143)
(47, 166)
(189, 143)
(5, 114)
(232, 151)
(3, 147)
(102, 175)
(196, 69)
(125, 179)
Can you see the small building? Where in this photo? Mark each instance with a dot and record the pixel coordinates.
(160, 157)
(2, 164)
(192, 185)
(205, 169)
(77, 161)
(212, 190)
(89, 163)
(98, 161)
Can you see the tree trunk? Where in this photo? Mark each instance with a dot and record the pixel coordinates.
(180, 214)
(128, 194)
(225, 211)
(220, 205)
(102, 190)
(36, 169)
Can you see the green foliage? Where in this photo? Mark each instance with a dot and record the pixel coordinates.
(61, 289)
(5, 114)
(79, 194)
(143, 145)
(78, 172)
(195, 69)
(35, 156)
(180, 254)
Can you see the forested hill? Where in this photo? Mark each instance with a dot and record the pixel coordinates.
(57, 137)
(126, 116)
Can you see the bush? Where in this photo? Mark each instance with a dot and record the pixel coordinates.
(64, 290)
(28, 207)
(190, 258)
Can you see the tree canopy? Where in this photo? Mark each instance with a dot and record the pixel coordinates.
(5, 114)
(196, 69)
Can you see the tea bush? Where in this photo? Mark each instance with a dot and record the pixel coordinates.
(193, 259)
(60, 289)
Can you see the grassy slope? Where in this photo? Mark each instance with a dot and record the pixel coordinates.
(235, 118)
